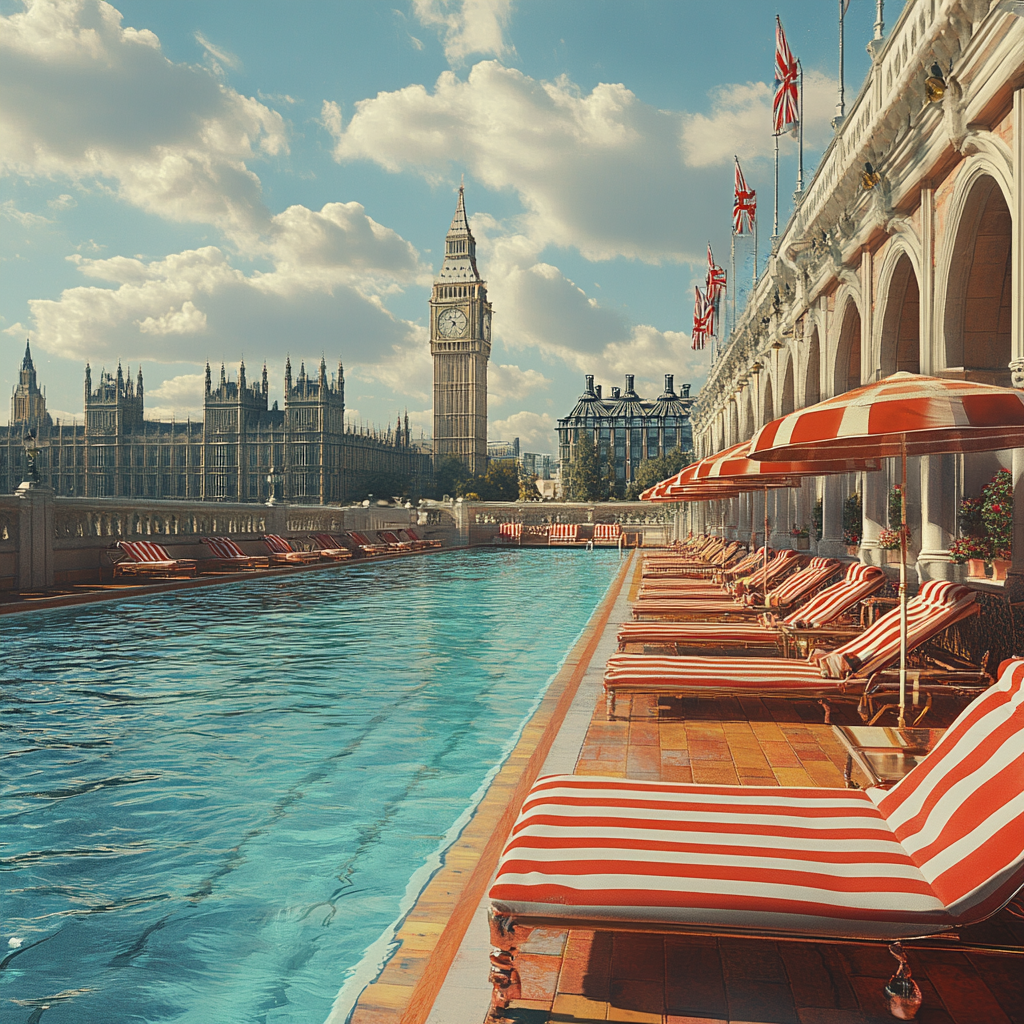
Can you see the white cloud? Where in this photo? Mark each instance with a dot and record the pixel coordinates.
(535, 430)
(741, 116)
(506, 382)
(176, 397)
(62, 202)
(601, 172)
(217, 57)
(9, 210)
(82, 97)
(66, 417)
(466, 26)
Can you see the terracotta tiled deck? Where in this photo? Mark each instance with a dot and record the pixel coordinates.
(578, 976)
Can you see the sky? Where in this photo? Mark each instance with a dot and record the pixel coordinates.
(187, 181)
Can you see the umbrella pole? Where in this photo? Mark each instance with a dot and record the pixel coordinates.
(903, 583)
(765, 543)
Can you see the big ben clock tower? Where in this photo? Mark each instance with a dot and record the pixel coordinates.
(460, 342)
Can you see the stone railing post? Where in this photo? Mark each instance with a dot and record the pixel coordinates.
(35, 537)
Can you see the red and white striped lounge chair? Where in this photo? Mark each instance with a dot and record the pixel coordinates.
(826, 607)
(226, 554)
(938, 605)
(144, 558)
(330, 548)
(942, 849)
(365, 546)
(282, 553)
(414, 539)
(687, 567)
(712, 602)
(607, 534)
(510, 533)
(392, 540)
(563, 533)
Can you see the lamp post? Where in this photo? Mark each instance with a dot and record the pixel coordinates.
(32, 448)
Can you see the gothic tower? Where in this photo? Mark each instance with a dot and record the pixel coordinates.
(460, 342)
(28, 403)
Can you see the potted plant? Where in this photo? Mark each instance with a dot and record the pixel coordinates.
(818, 515)
(997, 515)
(802, 535)
(972, 552)
(853, 516)
(889, 541)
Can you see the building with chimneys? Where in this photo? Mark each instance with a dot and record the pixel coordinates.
(460, 343)
(306, 447)
(626, 428)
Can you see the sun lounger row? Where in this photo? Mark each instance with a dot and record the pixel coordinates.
(943, 849)
(146, 558)
(562, 534)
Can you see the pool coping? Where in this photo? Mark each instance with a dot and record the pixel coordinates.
(433, 931)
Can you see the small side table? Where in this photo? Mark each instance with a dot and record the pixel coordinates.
(884, 755)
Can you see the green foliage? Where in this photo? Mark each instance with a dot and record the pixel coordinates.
(449, 473)
(653, 471)
(528, 488)
(500, 482)
(584, 472)
(853, 518)
(895, 506)
(818, 515)
(997, 513)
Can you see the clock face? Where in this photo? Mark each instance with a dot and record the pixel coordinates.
(451, 323)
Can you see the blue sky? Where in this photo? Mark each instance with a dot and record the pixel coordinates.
(186, 180)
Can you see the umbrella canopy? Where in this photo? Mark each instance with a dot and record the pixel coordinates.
(905, 414)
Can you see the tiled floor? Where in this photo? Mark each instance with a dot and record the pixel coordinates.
(578, 977)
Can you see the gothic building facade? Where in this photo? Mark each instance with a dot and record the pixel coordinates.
(305, 449)
(626, 429)
(460, 343)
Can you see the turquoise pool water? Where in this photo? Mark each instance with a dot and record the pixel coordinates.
(217, 803)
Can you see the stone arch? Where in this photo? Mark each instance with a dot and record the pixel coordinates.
(788, 390)
(812, 374)
(899, 341)
(847, 365)
(767, 401)
(974, 314)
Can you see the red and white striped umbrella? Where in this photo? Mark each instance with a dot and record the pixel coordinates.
(899, 416)
(902, 414)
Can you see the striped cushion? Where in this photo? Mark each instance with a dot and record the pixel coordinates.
(960, 813)
(663, 674)
(704, 608)
(326, 541)
(798, 861)
(861, 581)
(745, 565)
(802, 582)
(223, 547)
(277, 544)
(513, 530)
(563, 531)
(145, 551)
(937, 605)
(607, 531)
(783, 562)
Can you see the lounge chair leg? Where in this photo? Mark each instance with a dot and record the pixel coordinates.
(504, 978)
(827, 708)
(902, 995)
(609, 704)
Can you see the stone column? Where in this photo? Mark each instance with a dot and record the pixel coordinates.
(1015, 577)
(35, 537)
(938, 517)
(835, 492)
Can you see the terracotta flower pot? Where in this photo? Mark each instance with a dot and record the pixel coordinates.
(853, 549)
(976, 568)
(803, 543)
(892, 556)
(1000, 566)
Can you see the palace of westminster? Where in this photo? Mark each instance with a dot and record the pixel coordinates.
(245, 450)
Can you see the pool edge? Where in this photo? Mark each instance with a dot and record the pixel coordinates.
(435, 926)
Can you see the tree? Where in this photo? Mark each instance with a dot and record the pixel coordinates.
(653, 471)
(528, 487)
(449, 475)
(584, 471)
(500, 482)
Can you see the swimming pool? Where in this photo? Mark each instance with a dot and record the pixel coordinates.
(218, 802)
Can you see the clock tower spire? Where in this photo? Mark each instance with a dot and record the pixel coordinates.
(460, 342)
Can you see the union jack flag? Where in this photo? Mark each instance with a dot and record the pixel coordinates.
(714, 284)
(785, 109)
(703, 319)
(744, 204)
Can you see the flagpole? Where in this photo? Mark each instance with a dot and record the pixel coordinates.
(800, 164)
(775, 221)
(841, 108)
(732, 282)
(755, 242)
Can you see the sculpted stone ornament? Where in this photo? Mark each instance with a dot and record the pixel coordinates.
(1017, 373)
